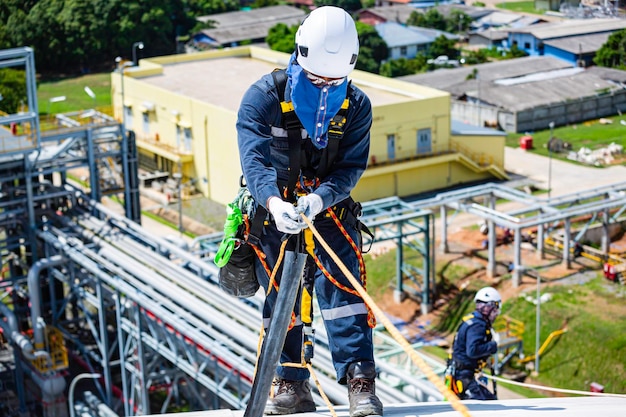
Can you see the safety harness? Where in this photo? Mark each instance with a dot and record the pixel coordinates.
(298, 159)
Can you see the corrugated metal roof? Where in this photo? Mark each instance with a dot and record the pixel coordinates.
(471, 11)
(230, 35)
(491, 34)
(233, 27)
(270, 14)
(456, 82)
(572, 27)
(583, 44)
(460, 128)
(497, 19)
(398, 13)
(533, 94)
(535, 81)
(432, 33)
(395, 35)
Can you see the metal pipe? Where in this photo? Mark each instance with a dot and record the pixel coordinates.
(34, 292)
(11, 329)
(73, 385)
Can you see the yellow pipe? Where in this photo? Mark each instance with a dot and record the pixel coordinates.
(545, 344)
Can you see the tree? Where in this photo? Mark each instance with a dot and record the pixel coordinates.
(613, 52)
(414, 17)
(403, 66)
(458, 21)
(75, 35)
(373, 49)
(431, 19)
(282, 38)
(514, 52)
(476, 57)
(12, 89)
(443, 46)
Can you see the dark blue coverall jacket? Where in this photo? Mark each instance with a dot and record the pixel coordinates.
(472, 343)
(264, 156)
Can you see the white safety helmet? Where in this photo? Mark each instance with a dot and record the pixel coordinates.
(488, 294)
(327, 43)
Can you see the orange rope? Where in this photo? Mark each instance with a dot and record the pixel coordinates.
(395, 333)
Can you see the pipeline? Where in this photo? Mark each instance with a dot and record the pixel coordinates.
(11, 329)
(35, 294)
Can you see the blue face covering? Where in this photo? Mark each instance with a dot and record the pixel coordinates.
(315, 106)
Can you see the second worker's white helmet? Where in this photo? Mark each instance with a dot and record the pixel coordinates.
(327, 43)
(488, 294)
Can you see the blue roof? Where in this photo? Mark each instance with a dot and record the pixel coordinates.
(461, 128)
(395, 34)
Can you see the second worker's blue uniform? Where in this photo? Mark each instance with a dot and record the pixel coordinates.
(472, 344)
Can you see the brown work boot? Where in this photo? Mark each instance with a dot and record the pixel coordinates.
(362, 390)
(291, 397)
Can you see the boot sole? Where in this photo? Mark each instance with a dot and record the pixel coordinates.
(367, 412)
(300, 408)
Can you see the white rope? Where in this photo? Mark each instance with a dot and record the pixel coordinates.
(541, 387)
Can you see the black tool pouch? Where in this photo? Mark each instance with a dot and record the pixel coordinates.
(237, 277)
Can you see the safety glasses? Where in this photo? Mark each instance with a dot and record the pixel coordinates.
(320, 81)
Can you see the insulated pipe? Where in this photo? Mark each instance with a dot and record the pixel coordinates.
(11, 329)
(35, 293)
(293, 266)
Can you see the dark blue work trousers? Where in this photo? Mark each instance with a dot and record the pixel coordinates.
(344, 314)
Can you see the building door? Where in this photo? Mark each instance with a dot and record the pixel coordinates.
(424, 142)
(391, 147)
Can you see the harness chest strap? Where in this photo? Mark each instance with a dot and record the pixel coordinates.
(292, 124)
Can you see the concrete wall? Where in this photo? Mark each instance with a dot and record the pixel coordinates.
(576, 111)
(594, 234)
(474, 113)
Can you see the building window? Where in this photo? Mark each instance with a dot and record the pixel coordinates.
(526, 45)
(391, 147)
(403, 51)
(146, 122)
(424, 141)
(128, 115)
(188, 139)
(179, 134)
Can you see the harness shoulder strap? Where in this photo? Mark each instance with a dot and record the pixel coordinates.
(292, 124)
(335, 133)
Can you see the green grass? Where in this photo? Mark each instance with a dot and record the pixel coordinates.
(593, 348)
(591, 134)
(73, 89)
(166, 223)
(520, 6)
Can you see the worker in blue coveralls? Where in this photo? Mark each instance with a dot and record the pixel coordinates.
(317, 88)
(474, 342)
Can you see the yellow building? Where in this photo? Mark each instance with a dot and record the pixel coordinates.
(183, 109)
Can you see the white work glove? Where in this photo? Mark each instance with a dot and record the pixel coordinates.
(285, 215)
(310, 205)
(495, 336)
